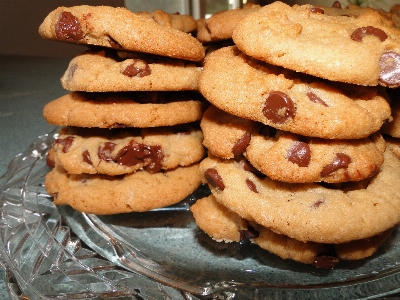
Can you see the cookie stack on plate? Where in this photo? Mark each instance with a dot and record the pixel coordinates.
(130, 138)
(296, 161)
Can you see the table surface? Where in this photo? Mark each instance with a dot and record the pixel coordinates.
(26, 85)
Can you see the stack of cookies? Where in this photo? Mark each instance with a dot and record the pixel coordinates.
(130, 137)
(297, 163)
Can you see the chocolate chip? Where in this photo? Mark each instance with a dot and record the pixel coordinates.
(241, 145)
(113, 43)
(86, 157)
(318, 203)
(104, 153)
(317, 10)
(214, 179)
(340, 161)
(390, 69)
(278, 107)
(68, 28)
(138, 68)
(136, 153)
(299, 154)
(325, 262)
(65, 143)
(314, 98)
(337, 4)
(251, 186)
(360, 33)
(249, 233)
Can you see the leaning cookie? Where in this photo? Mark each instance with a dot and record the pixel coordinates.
(110, 71)
(224, 225)
(309, 212)
(288, 157)
(114, 110)
(304, 39)
(123, 151)
(393, 144)
(140, 191)
(121, 29)
(289, 101)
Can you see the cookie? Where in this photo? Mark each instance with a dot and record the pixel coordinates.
(139, 191)
(226, 135)
(288, 157)
(219, 26)
(223, 225)
(104, 71)
(363, 50)
(289, 101)
(309, 212)
(119, 28)
(114, 110)
(123, 151)
(185, 23)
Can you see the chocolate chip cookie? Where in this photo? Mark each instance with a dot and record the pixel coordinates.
(363, 50)
(290, 101)
(119, 28)
(124, 151)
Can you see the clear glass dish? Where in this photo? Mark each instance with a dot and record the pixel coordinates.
(58, 253)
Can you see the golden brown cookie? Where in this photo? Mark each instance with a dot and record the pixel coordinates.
(288, 157)
(363, 50)
(119, 28)
(105, 71)
(114, 110)
(289, 101)
(140, 191)
(309, 212)
(123, 151)
(224, 225)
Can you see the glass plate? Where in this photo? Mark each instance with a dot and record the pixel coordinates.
(58, 253)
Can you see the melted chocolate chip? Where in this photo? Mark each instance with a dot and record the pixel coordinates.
(105, 152)
(390, 69)
(241, 145)
(251, 186)
(278, 107)
(360, 33)
(68, 28)
(314, 98)
(317, 10)
(136, 153)
(299, 154)
(65, 143)
(249, 233)
(341, 161)
(325, 262)
(337, 4)
(138, 68)
(214, 179)
(86, 157)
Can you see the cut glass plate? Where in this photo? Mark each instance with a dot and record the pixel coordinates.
(54, 252)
